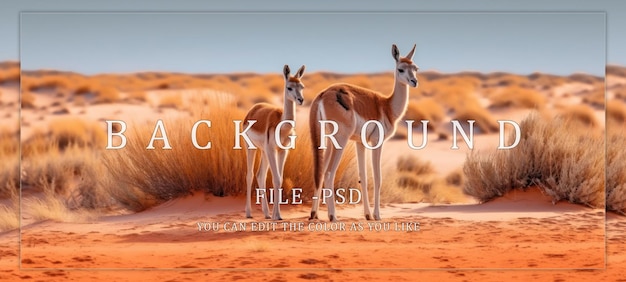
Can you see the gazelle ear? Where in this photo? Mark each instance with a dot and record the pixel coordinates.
(300, 72)
(395, 52)
(410, 54)
(286, 72)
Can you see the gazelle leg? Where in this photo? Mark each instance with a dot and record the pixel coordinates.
(362, 161)
(260, 179)
(277, 180)
(330, 182)
(376, 153)
(318, 192)
(251, 156)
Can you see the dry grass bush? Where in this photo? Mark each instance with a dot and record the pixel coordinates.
(416, 181)
(595, 97)
(10, 212)
(74, 131)
(63, 133)
(171, 101)
(616, 70)
(455, 178)
(452, 93)
(507, 80)
(414, 165)
(54, 207)
(615, 113)
(518, 97)
(9, 166)
(10, 74)
(9, 217)
(484, 121)
(616, 170)
(545, 81)
(107, 94)
(137, 95)
(27, 100)
(566, 165)
(258, 90)
(620, 92)
(80, 101)
(585, 78)
(52, 168)
(580, 116)
(141, 180)
(425, 109)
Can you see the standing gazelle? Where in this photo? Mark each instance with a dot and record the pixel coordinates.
(262, 134)
(350, 107)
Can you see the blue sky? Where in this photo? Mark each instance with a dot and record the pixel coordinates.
(559, 43)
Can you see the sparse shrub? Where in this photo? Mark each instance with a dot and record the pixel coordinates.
(10, 165)
(28, 100)
(565, 165)
(616, 70)
(616, 112)
(137, 95)
(107, 94)
(455, 178)
(53, 206)
(580, 116)
(10, 74)
(484, 121)
(545, 81)
(518, 97)
(595, 97)
(171, 101)
(414, 165)
(616, 171)
(585, 78)
(620, 92)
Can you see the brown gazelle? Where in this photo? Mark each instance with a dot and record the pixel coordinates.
(344, 109)
(262, 134)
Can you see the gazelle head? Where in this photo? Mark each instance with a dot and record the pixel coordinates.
(406, 70)
(293, 85)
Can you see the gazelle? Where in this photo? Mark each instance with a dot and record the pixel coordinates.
(262, 135)
(350, 107)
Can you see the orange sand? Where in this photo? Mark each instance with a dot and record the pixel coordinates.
(532, 239)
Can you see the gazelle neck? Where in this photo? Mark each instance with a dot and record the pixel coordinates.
(289, 109)
(399, 99)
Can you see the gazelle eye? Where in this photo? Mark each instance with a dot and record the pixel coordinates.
(400, 70)
(289, 88)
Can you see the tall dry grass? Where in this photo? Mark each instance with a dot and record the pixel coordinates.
(65, 132)
(580, 116)
(616, 156)
(417, 181)
(566, 164)
(9, 179)
(9, 166)
(143, 178)
(615, 113)
(616, 171)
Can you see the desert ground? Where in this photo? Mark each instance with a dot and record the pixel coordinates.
(79, 221)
